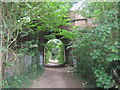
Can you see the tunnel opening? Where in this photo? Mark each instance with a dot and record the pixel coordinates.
(54, 53)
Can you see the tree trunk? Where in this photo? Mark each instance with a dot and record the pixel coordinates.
(1, 45)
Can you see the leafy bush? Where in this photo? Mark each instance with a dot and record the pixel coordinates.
(102, 78)
(61, 54)
(95, 49)
(47, 56)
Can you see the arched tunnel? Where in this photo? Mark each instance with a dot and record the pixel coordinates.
(65, 41)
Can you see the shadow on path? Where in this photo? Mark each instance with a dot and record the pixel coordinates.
(56, 78)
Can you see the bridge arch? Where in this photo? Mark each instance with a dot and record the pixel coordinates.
(43, 40)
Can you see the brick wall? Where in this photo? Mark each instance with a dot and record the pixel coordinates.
(76, 20)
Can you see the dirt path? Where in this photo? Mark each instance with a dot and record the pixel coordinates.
(56, 78)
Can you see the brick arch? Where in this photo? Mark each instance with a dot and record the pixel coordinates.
(43, 40)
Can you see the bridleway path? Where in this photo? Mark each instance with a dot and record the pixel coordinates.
(56, 78)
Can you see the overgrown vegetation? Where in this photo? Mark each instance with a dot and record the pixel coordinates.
(96, 48)
(24, 27)
(23, 80)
